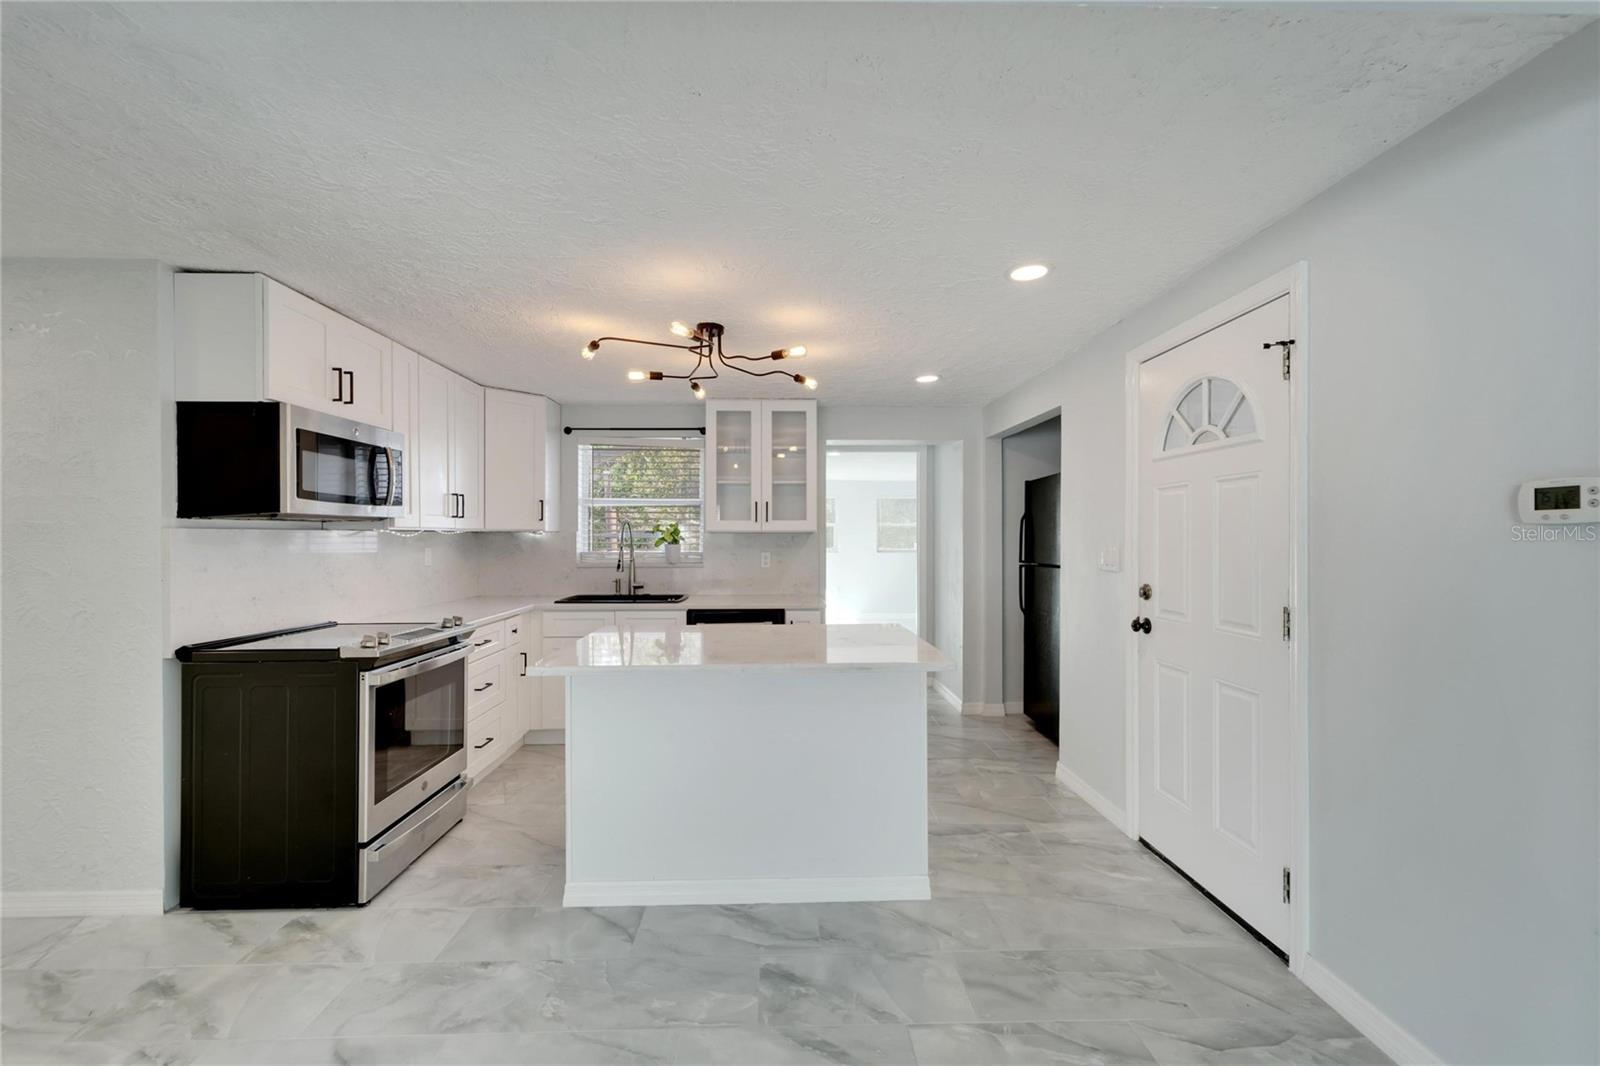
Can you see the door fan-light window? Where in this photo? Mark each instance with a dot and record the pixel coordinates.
(1208, 412)
(645, 482)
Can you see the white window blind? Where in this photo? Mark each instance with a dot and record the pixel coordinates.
(897, 524)
(644, 481)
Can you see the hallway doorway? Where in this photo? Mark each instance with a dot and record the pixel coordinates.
(873, 535)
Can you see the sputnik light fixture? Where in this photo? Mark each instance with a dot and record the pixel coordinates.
(705, 344)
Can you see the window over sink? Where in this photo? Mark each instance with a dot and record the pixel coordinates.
(645, 481)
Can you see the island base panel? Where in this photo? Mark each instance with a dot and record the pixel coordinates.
(746, 786)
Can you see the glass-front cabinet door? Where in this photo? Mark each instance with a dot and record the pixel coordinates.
(733, 460)
(789, 477)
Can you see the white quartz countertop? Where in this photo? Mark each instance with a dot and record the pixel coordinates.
(481, 610)
(669, 645)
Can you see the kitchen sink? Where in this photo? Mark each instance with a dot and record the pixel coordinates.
(609, 597)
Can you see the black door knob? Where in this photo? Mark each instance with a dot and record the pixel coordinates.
(1141, 625)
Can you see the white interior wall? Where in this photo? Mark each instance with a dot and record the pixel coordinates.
(1032, 453)
(1451, 353)
(947, 564)
(82, 557)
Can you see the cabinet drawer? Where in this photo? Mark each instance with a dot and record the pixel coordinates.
(486, 640)
(646, 618)
(576, 623)
(486, 685)
(484, 738)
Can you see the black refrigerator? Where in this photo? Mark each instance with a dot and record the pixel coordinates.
(1039, 596)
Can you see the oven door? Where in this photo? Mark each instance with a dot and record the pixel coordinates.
(413, 735)
(334, 467)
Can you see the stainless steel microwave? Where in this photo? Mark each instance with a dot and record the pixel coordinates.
(275, 460)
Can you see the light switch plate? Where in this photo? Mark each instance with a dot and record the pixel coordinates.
(1111, 560)
(766, 560)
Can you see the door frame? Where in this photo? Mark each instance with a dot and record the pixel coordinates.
(1290, 282)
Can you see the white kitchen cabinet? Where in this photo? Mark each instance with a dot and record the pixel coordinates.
(521, 462)
(761, 466)
(245, 337)
(552, 690)
(522, 649)
(448, 466)
(466, 451)
(403, 369)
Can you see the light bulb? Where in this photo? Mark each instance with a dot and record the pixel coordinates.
(698, 390)
(589, 349)
(811, 383)
(927, 379)
(1031, 272)
(681, 329)
(797, 352)
(636, 375)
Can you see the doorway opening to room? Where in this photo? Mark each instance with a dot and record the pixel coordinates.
(1030, 635)
(875, 535)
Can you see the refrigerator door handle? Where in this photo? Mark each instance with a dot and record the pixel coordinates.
(1022, 587)
(1022, 538)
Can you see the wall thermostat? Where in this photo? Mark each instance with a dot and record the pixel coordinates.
(1560, 499)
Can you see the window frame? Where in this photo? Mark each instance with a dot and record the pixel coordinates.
(646, 556)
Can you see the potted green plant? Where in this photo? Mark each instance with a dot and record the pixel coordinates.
(669, 538)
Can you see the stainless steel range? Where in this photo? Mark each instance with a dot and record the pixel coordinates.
(319, 761)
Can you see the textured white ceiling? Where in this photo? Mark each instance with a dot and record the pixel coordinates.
(493, 184)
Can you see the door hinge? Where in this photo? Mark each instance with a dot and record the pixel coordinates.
(1286, 346)
(1286, 884)
(1288, 629)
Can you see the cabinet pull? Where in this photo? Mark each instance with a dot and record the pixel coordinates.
(338, 383)
(352, 397)
(755, 511)
(481, 643)
(769, 510)
(524, 664)
(541, 510)
(486, 742)
(485, 687)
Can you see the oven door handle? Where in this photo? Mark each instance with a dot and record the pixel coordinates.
(413, 667)
(417, 822)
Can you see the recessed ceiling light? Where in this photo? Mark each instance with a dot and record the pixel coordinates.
(1031, 272)
(927, 379)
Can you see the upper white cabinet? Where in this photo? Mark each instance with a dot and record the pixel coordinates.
(447, 449)
(403, 370)
(761, 466)
(522, 462)
(246, 337)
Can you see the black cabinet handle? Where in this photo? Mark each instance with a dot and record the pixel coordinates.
(524, 664)
(541, 510)
(485, 687)
(481, 643)
(487, 741)
(755, 510)
(338, 383)
(769, 510)
(352, 376)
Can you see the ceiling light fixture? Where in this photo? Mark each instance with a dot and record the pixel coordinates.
(1031, 272)
(927, 379)
(705, 344)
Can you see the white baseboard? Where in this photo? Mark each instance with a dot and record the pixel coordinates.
(944, 692)
(744, 890)
(80, 904)
(1392, 1038)
(985, 710)
(545, 736)
(1107, 810)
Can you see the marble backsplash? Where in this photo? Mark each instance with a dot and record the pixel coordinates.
(227, 581)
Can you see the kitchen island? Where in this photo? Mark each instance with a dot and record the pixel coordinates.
(745, 763)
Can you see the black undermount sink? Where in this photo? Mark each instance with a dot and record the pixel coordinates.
(612, 597)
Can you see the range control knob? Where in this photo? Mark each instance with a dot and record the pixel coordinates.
(383, 638)
(445, 623)
(456, 620)
(369, 641)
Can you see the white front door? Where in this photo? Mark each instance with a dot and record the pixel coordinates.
(1214, 669)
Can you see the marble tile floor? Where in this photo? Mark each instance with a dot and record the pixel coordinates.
(1051, 938)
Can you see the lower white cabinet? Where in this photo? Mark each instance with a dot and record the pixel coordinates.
(802, 616)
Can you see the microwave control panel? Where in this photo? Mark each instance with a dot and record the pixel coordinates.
(1560, 499)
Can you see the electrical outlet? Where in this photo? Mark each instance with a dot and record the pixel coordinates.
(427, 556)
(766, 560)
